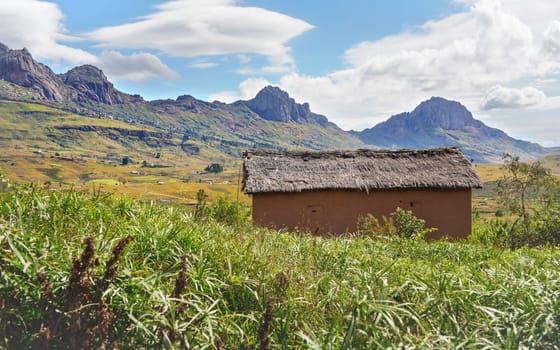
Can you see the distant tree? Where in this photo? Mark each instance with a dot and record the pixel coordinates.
(84, 177)
(530, 192)
(521, 185)
(214, 168)
(125, 160)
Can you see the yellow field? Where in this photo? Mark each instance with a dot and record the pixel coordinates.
(177, 184)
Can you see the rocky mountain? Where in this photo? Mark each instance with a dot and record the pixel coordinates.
(90, 84)
(19, 67)
(271, 120)
(237, 126)
(439, 122)
(273, 104)
(84, 84)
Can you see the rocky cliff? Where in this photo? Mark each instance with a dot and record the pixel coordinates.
(271, 103)
(19, 67)
(91, 84)
(82, 84)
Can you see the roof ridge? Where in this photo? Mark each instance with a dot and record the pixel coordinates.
(271, 170)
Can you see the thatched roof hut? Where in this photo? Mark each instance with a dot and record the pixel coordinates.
(268, 171)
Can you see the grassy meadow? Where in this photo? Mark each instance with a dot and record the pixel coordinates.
(86, 269)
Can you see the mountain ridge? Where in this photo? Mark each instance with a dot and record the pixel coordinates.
(440, 122)
(272, 119)
(225, 128)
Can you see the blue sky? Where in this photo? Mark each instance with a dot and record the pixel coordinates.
(355, 61)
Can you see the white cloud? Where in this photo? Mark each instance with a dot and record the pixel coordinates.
(503, 97)
(462, 56)
(138, 67)
(244, 59)
(225, 96)
(192, 28)
(551, 43)
(246, 91)
(250, 87)
(203, 65)
(482, 47)
(37, 25)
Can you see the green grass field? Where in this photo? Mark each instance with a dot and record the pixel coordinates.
(93, 270)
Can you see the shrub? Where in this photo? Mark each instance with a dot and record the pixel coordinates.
(400, 223)
(409, 226)
(369, 224)
(214, 168)
(498, 233)
(4, 182)
(201, 209)
(229, 213)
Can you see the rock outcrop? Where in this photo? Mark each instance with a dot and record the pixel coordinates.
(19, 67)
(81, 84)
(91, 84)
(271, 103)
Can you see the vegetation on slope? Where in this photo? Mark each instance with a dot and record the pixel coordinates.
(91, 271)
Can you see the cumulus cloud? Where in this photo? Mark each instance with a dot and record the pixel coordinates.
(191, 28)
(483, 46)
(551, 43)
(462, 56)
(504, 97)
(138, 67)
(247, 90)
(37, 25)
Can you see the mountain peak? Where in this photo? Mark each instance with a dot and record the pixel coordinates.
(19, 67)
(86, 72)
(85, 83)
(272, 103)
(4, 49)
(439, 122)
(91, 84)
(441, 113)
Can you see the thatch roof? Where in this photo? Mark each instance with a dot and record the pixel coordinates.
(364, 169)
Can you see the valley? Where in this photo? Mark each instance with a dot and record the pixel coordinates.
(76, 130)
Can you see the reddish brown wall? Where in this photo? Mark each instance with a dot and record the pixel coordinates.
(338, 211)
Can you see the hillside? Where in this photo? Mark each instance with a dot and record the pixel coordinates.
(439, 122)
(215, 130)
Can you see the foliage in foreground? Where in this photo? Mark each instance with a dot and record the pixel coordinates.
(401, 223)
(532, 195)
(95, 271)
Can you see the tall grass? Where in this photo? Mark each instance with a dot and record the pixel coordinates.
(93, 271)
